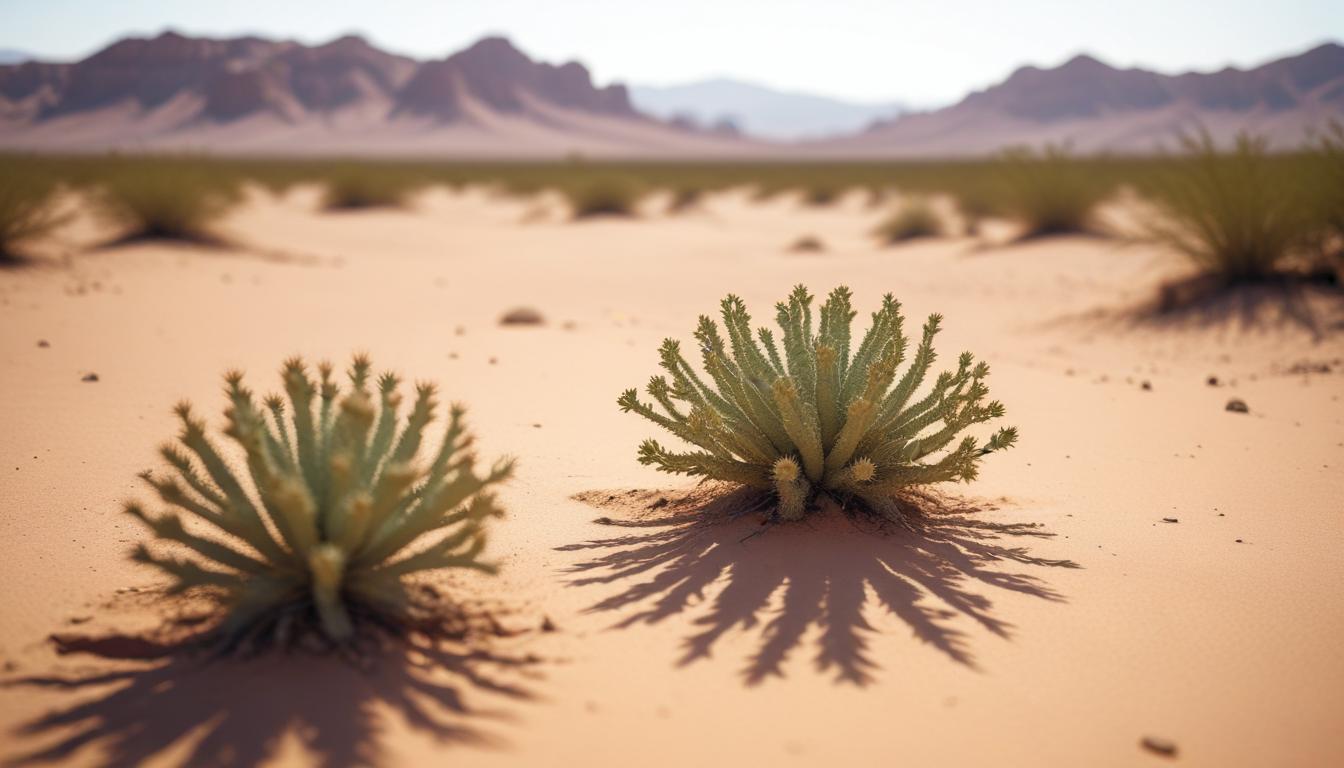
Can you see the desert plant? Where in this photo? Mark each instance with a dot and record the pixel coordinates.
(819, 420)
(916, 218)
(1327, 191)
(26, 207)
(1050, 191)
(151, 198)
(332, 513)
(603, 195)
(354, 187)
(976, 202)
(1235, 215)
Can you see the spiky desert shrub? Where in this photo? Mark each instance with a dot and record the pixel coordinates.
(26, 207)
(604, 195)
(915, 218)
(1049, 191)
(332, 512)
(1235, 215)
(179, 200)
(820, 419)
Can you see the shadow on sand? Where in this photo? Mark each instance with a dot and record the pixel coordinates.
(1311, 305)
(819, 577)
(160, 702)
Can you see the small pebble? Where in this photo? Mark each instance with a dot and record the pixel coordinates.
(522, 316)
(90, 377)
(1164, 747)
(43, 343)
(1237, 405)
(1170, 520)
(1212, 381)
(547, 625)
(1147, 386)
(1238, 541)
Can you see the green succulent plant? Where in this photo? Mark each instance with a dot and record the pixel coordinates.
(822, 418)
(332, 513)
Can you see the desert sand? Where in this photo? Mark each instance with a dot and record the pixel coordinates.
(1047, 615)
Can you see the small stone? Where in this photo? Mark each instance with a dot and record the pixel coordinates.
(1237, 405)
(522, 316)
(1146, 386)
(536, 426)
(547, 625)
(90, 377)
(1239, 541)
(494, 361)
(1170, 520)
(1212, 381)
(43, 343)
(80, 619)
(1158, 746)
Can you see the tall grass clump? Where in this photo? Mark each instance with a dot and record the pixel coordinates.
(354, 187)
(1237, 215)
(177, 200)
(1049, 191)
(332, 513)
(602, 195)
(27, 207)
(821, 420)
(1327, 160)
(914, 219)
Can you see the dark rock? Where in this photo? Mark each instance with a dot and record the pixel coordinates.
(1159, 746)
(1147, 386)
(90, 377)
(1237, 405)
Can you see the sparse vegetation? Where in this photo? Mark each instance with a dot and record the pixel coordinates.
(173, 199)
(353, 187)
(820, 421)
(606, 195)
(332, 515)
(26, 207)
(1235, 215)
(1050, 192)
(914, 219)
(807, 244)
(1327, 160)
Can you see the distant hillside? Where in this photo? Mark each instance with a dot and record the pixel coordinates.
(250, 94)
(760, 111)
(1097, 107)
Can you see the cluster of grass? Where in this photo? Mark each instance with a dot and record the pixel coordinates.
(915, 218)
(604, 195)
(352, 187)
(1049, 191)
(1327, 166)
(176, 199)
(27, 206)
(1236, 215)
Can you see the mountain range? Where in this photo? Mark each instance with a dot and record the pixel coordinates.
(257, 96)
(758, 111)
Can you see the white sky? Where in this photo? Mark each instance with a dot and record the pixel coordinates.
(920, 51)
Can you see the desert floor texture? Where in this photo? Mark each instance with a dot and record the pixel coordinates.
(1048, 614)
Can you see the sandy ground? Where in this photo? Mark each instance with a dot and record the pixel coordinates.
(1059, 622)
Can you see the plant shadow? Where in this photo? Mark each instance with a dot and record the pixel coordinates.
(1309, 304)
(819, 577)
(148, 700)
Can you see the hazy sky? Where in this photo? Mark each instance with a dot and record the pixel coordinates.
(926, 51)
